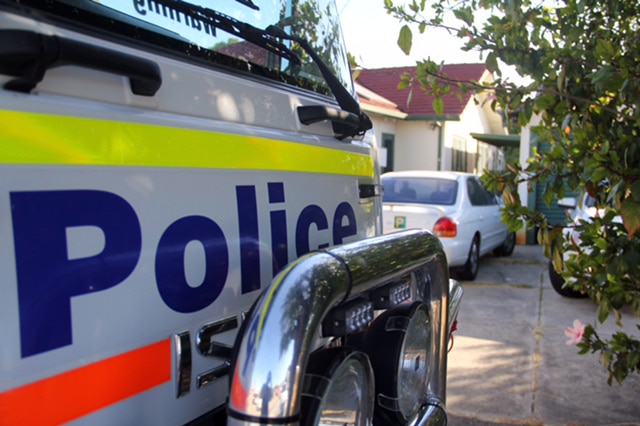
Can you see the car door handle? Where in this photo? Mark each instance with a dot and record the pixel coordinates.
(28, 55)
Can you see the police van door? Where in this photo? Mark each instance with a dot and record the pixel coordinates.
(160, 161)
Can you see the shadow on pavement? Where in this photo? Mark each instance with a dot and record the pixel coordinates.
(510, 365)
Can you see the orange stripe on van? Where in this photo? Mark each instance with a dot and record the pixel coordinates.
(78, 392)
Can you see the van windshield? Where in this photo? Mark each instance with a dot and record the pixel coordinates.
(228, 33)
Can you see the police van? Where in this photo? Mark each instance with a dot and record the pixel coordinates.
(190, 224)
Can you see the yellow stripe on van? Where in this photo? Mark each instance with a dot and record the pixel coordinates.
(29, 138)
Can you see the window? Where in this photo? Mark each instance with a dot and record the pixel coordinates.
(388, 147)
(231, 34)
(459, 155)
(478, 195)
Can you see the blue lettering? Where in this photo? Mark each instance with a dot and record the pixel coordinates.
(51, 269)
(279, 246)
(249, 238)
(311, 214)
(47, 278)
(170, 274)
(341, 230)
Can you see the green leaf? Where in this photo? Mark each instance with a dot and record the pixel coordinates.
(618, 317)
(556, 259)
(599, 174)
(524, 116)
(545, 102)
(548, 197)
(405, 39)
(605, 49)
(438, 105)
(606, 359)
(492, 62)
(630, 212)
(464, 14)
(603, 311)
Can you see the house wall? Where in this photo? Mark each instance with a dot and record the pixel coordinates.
(416, 142)
(457, 135)
(416, 146)
(382, 125)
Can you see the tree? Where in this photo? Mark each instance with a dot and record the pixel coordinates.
(581, 61)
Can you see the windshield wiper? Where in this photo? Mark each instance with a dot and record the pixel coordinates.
(350, 122)
(249, 4)
(232, 26)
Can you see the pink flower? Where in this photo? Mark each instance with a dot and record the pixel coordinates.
(574, 334)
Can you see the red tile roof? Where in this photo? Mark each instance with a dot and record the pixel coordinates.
(384, 81)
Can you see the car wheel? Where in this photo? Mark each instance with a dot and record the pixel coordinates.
(470, 269)
(558, 284)
(506, 249)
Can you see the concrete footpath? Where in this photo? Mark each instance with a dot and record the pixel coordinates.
(510, 365)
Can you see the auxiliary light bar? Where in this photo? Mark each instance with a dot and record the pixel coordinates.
(348, 318)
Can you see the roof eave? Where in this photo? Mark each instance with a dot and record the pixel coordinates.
(446, 117)
(383, 111)
(500, 141)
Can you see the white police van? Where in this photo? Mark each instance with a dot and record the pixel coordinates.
(190, 222)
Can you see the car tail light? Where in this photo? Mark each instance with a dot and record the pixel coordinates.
(445, 227)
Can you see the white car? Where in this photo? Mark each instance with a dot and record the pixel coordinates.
(578, 209)
(455, 207)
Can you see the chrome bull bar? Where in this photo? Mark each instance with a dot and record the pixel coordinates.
(285, 323)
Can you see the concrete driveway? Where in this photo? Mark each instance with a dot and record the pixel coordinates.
(510, 364)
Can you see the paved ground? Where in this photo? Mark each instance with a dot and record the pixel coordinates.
(510, 364)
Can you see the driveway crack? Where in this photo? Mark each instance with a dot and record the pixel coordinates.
(537, 356)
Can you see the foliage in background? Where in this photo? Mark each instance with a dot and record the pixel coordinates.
(581, 60)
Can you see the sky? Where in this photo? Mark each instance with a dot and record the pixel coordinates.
(371, 36)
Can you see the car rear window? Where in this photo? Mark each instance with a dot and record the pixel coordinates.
(420, 190)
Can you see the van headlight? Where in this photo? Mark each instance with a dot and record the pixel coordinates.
(338, 388)
(398, 343)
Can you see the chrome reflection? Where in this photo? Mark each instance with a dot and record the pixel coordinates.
(182, 342)
(455, 296)
(397, 343)
(338, 389)
(281, 331)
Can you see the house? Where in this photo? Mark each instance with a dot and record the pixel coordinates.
(468, 136)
